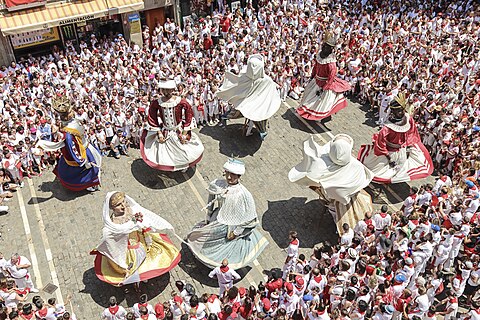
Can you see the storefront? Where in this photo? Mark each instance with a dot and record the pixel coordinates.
(38, 29)
(156, 12)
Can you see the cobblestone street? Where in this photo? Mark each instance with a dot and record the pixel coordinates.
(57, 229)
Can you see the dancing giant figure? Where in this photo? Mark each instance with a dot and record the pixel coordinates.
(79, 166)
(397, 153)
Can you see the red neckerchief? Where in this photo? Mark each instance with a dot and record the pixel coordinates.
(294, 242)
(144, 316)
(453, 300)
(43, 312)
(415, 222)
(113, 310)
(317, 278)
(27, 316)
(212, 298)
(368, 222)
(443, 178)
(413, 196)
(224, 269)
(142, 305)
(383, 215)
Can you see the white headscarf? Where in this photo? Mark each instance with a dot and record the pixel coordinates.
(252, 92)
(115, 236)
(332, 167)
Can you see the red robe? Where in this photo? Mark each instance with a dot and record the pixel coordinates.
(389, 140)
(326, 77)
(183, 114)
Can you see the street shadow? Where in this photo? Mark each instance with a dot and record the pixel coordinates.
(199, 271)
(310, 219)
(232, 141)
(296, 123)
(155, 179)
(369, 114)
(58, 192)
(100, 291)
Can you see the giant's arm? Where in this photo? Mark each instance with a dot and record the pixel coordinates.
(380, 143)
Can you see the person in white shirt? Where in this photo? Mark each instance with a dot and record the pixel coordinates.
(17, 268)
(382, 219)
(142, 304)
(409, 203)
(347, 236)
(225, 276)
(145, 314)
(114, 311)
(292, 254)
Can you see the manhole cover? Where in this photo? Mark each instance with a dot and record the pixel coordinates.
(50, 288)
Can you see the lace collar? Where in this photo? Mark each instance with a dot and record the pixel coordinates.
(331, 58)
(169, 104)
(404, 127)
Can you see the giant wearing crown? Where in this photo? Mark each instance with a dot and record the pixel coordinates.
(397, 153)
(78, 168)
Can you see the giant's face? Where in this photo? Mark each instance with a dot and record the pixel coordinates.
(232, 178)
(396, 115)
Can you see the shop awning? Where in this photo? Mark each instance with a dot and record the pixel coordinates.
(61, 13)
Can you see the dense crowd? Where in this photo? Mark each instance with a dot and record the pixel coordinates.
(416, 263)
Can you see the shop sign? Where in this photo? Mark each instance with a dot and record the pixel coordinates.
(133, 17)
(33, 38)
(77, 19)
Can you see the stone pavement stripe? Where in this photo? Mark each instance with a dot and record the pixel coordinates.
(331, 136)
(46, 243)
(31, 248)
(387, 187)
(195, 191)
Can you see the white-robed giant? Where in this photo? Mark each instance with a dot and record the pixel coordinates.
(253, 93)
(336, 176)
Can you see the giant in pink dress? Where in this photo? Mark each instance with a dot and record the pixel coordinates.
(404, 146)
(323, 95)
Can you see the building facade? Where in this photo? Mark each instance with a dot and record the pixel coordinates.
(36, 27)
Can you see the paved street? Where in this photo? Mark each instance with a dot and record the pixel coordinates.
(57, 229)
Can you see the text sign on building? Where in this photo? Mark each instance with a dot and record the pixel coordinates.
(133, 17)
(32, 38)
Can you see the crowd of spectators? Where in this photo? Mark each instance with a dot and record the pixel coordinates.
(418, 263)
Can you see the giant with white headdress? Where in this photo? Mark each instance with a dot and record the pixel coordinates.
(229, 232)
(397, 153)
(79, 166)
(323, 95)
(168, 143)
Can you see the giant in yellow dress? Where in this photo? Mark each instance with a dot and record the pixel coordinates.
(132, 249)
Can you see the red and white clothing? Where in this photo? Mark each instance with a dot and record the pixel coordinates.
(453, 305)
(137, 306)
(225, 277)
(403, 144)
(20, 275)
(174, 118)
(382, 220)
(46, 313)
(292, 252)
(323, 95)
(114, 313)
(474, 314)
